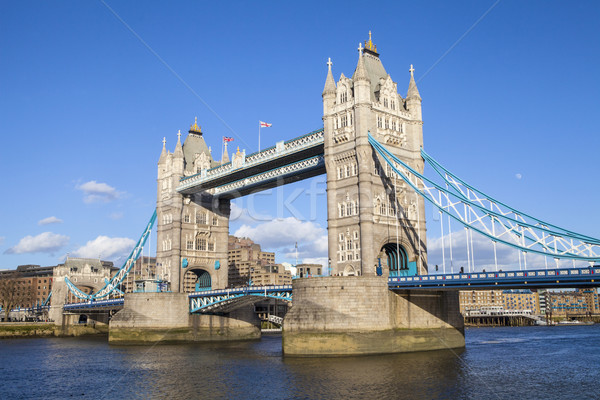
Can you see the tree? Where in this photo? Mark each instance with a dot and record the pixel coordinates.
(14, 292)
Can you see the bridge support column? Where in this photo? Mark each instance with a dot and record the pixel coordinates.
(165, 317)
(335, 316)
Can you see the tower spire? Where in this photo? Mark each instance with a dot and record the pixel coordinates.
(413, 92)
(163, 153)
(361, 71)
(370, 47)
(195, 128)
(329, 82)
(178, 148)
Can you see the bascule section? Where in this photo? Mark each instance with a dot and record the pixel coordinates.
(192, 228)
(376, 222)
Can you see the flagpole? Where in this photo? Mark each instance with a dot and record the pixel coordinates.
(259, 124)
(222, 149)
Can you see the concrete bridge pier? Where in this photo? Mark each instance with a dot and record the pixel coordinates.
(164, 317)
(335, 316)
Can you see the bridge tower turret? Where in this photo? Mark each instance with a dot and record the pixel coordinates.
(373, 219)
(192, 230)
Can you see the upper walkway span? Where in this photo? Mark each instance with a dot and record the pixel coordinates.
(287, 161)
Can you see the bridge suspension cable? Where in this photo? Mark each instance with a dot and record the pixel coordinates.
(112, 285)
(481, 213)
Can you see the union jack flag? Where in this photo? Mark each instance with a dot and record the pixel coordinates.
(227, 139)
(264, 124)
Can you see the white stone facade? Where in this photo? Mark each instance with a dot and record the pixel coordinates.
(364, 214)
(192, 229)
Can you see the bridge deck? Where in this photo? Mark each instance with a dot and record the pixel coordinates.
(547, 279)
(96, 305)
(226, 300)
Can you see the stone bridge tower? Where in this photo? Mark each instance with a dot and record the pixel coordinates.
(192, 229)
(373, 219)
(89, 275)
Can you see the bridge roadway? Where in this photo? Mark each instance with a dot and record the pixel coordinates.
(287, 161)
(226, 300)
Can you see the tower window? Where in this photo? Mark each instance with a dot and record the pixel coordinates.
(201, 244)
(186, 218)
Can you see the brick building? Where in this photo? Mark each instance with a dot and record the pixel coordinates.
(247, 262)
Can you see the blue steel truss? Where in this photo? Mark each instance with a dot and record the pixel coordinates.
(488, 216)
(301, 157)
(226, 300)
(96, 305)
(112, 285)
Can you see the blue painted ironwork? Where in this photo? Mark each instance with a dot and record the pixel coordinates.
(95, 305)
(491, 218)
(117, 290)
(228, 299)
(47, 301)
(543, 278)
(283, 153)
(121, 274)
(204, 281)
(270, 177)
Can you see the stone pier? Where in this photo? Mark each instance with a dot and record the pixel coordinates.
(335, 316)
(164, 317)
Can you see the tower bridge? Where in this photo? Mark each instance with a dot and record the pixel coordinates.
(380, 298)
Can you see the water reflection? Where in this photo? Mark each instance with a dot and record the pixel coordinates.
(549, 363)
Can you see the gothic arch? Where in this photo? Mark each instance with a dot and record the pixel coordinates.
(350, 271)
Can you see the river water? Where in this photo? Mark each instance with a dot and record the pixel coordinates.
(498, 363)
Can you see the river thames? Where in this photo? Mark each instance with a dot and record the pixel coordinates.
(561, 362)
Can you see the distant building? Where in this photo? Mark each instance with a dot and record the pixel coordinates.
(306, 270)
(143, 269)
(35, 278)
(507, 300)
(248, 263)
(40, 279)
(580, 301)
(521, 299)
(478, 299)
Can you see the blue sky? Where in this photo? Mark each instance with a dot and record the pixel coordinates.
(512, 107)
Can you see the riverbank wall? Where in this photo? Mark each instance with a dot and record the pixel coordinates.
(10, 330)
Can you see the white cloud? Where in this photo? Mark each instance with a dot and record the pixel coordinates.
(46, 242)
(2, 240)
(50, 220)
(97, 192)
(284, 233)
(518, 176)
(106, 248)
